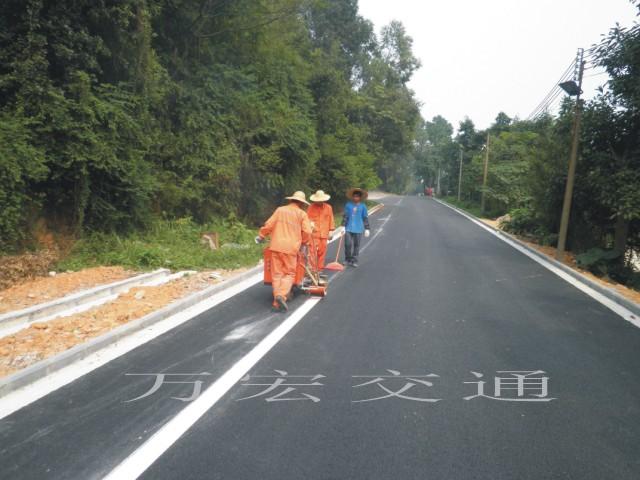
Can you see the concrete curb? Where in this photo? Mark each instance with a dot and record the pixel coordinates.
(610, 293)
(44, 310)
(52, 364)
(49, 365)
(376, 208)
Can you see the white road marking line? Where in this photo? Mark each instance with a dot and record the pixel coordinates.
(14, 401)
(38, 389)
(142, 458)
(377, 232)
(607, 302)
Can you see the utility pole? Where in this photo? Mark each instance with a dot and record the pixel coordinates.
(573, 159)
(460, 175)
(438, 183)
(486, 173)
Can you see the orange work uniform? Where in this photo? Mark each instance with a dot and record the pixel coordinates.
(289, 229)
(321, 214)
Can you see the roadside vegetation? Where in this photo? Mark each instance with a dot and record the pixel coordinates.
(151, 121)
(528, 166)
(173, 244)
(471, 207)
(117, 116)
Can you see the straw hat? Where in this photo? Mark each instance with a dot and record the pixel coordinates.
(361, 191)
(319, 196)
(298, 197)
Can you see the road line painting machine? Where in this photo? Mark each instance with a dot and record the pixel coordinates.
(307, 280)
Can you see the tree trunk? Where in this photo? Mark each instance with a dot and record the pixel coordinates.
(621, 234)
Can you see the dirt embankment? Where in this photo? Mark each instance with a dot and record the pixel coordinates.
(44, 289)
(44, 339)
(18, 268)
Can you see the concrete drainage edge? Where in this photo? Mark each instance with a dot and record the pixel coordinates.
(607, 292)
(49, 365)
(35, 312)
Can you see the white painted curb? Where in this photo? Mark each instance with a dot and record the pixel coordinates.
(57, 307)
(42, 369)
(52, 364)
(620, 305)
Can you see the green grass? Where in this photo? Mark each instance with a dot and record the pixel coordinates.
(168, 244)
(469, 207)
(171, 244)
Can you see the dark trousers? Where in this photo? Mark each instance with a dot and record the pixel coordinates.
(351, 246)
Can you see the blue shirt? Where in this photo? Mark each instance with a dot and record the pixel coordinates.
(356, 217)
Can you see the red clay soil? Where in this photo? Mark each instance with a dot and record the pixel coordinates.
(44, 289)
(44, 339)
(570, 261)
(18, 268)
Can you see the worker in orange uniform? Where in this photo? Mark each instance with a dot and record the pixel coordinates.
(321, 215)
(289, 229)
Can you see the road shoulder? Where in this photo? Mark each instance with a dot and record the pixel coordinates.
(624, 307)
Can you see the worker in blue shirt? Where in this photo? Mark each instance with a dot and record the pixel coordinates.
(356, 223)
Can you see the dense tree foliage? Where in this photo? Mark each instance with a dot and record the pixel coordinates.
(116, 111)
(528, 165)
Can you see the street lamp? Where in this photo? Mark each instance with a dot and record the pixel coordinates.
(575, 90)
(571, 87)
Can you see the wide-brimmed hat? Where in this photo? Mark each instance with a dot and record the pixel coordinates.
(319, 196)
(298, 197)
(363, 193)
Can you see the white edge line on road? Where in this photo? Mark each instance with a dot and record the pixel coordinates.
(142, 458)
(607, 302)
(22, 397)
(38, 389)
(378, 232)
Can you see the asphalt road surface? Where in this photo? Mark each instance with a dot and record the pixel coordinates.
(381, 379)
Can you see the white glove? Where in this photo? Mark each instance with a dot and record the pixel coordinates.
(259, 239)
(367, 233)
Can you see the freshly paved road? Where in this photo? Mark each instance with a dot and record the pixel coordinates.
(434, 294)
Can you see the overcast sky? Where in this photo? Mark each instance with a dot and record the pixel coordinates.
(483, 56)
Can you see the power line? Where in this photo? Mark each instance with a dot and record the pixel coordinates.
(591, 53)
(544, 105)
(549, 105)
(595, 74)
(575, 70)
(552, 101)
(555, 91)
